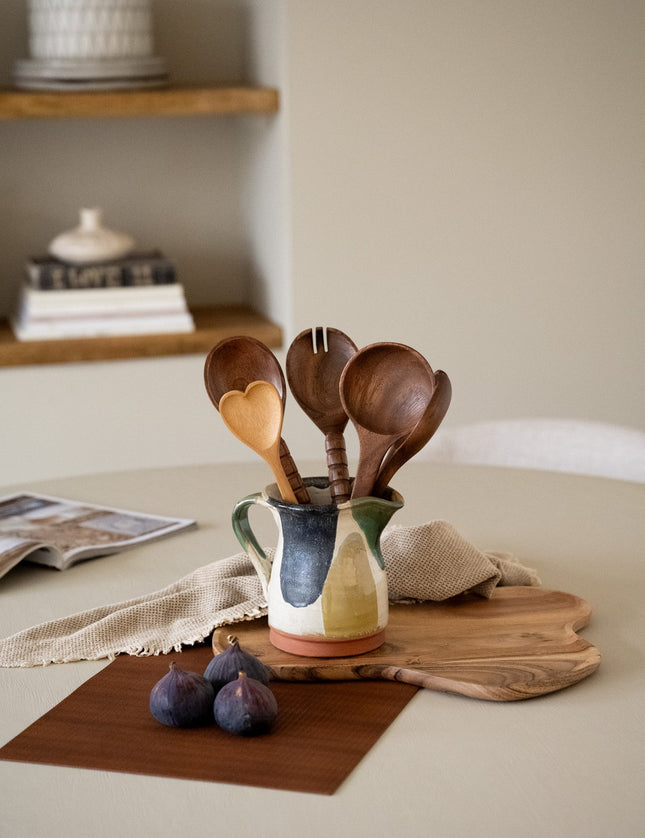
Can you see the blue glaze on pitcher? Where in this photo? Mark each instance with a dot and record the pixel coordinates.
(307, 552)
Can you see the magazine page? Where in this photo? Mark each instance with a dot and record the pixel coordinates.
(58, 532)
(14, 549)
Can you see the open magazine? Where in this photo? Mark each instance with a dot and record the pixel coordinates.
(58, 532)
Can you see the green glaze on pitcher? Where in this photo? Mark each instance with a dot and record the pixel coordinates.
(372, 517)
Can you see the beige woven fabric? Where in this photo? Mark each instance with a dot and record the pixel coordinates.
(427, 562)
(434, 562)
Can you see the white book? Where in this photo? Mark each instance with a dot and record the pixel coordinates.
(135, 298)
(108, 326)
(28, 316)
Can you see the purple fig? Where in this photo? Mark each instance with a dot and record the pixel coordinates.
(245, 707)
(182, 698)
(228, 664)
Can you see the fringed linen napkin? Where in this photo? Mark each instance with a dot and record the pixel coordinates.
(427, 562)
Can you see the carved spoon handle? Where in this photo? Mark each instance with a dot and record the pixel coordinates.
(293, 475)
(337, 467)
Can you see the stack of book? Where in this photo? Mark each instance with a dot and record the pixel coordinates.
(136, 295)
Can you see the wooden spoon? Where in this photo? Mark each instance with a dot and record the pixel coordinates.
(315, 361)
(232, 365)
(255, 418)
(385, 389)
(419, 435)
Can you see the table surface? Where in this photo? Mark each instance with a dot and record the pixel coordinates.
(567, 764)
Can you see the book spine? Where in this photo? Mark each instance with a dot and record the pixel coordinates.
(53, 276)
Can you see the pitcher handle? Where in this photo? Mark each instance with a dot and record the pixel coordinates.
(246, 537)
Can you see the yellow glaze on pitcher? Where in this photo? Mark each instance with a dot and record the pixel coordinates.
(349, 602)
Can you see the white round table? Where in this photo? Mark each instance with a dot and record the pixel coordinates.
(567, 764)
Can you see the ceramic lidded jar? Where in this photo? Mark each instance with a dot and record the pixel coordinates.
(91, 241)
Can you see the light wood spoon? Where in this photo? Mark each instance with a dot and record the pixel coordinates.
(233, 364)
(315, 361)
(255, 418)
(419, 435)
(385, 389)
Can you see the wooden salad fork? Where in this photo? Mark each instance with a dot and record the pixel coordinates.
(315, 361)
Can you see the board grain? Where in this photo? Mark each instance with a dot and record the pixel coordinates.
(519, 644)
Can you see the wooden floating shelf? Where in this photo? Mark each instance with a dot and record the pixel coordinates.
(212, 324)
(166, 101)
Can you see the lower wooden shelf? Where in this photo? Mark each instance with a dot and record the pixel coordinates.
(212, 324)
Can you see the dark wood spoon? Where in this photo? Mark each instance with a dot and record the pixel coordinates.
(315, 361)
(385, 389)
(236, 362)
(419, 435)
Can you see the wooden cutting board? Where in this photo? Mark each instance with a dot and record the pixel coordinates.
(519, 644)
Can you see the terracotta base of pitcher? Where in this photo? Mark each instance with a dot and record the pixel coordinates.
(312, 647)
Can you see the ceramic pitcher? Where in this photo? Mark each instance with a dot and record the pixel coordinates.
(326, 587)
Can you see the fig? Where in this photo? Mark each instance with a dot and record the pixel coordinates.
(246, 707)
(233, 660)
(182, 698)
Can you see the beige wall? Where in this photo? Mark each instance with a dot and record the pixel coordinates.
(469, 177)
(466, 177)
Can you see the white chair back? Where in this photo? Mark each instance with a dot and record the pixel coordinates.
(576, 447)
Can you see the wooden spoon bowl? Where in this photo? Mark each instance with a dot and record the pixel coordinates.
(235, 362)
(424, 429)
(385, 389)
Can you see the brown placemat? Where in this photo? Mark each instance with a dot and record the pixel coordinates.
(322, 732)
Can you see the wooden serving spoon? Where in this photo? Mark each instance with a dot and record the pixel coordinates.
(233, 364)
(411, 444)
(315, 361)
(255, 418)
(385, 389)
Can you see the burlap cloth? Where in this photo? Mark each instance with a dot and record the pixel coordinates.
(427, 562)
